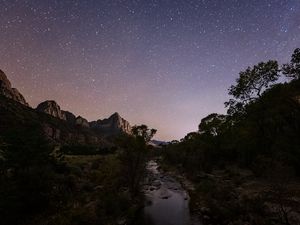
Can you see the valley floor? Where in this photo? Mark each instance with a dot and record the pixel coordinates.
(236, 196)
(98, 196)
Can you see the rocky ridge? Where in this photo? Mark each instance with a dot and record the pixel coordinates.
(8, 91)
(52, 108)
(115, 124)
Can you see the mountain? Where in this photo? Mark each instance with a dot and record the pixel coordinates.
(70, 117)
(8, 91)
(80, 121)
(113, 125)
(157, 143)
(15, 117)
(57, 125)
(52, 108)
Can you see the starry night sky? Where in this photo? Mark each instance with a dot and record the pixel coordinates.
(164, 63)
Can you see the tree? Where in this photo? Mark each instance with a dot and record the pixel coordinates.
(134, 156)
(292, 69)
(251, 84)
(143, 132)
(212, 124)
(27, 175)
(191, 136)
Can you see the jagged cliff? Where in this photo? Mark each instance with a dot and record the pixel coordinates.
(58, 125)
(115, 124)
(8, 91)
(52, 108)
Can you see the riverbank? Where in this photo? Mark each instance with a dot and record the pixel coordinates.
(97, 194)
(236, 196)
(167, 202)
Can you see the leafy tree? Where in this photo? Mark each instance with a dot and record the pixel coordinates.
(143, 132)
(261, 133)
(212, 124)
(292, 69)
(191, 136)
(235, 108)
(134, 156)
(251, 84)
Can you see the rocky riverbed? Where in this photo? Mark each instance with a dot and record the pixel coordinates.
(167, 203)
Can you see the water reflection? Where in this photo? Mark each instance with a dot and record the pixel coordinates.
(167, 202)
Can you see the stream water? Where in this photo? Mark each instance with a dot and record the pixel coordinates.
(167, 203)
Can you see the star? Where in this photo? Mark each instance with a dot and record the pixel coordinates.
(163, 62)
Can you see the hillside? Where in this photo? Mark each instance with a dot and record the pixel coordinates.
(58, 168)
(244, 166)
(58, 126)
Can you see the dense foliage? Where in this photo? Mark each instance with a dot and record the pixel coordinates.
(262, 125)
(28, 175)
(135, 152)
(260, 135)
(44, 182)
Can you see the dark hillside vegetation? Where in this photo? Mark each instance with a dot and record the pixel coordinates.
(61, 181)
(253, 152)
(14, 115)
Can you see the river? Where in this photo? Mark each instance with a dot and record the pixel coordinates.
(167, 203)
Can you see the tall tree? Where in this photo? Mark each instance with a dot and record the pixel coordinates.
(134, 156)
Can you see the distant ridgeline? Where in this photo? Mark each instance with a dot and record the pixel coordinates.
(57, 125)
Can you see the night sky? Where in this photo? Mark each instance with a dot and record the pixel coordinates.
(164, 63)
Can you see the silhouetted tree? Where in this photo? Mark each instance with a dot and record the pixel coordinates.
(191, 136)
(143, 132)
(292, 69)
(212, 124)
(251, 84)
(134, 155)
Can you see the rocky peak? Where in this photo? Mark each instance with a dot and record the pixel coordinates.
(82, 122)
(52, 108)
(115, 117)
(9, 92)
(113, 125)
(118, 122)
(70, 117)
(4, 82)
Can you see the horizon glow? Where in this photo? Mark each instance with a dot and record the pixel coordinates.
(164, 63)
